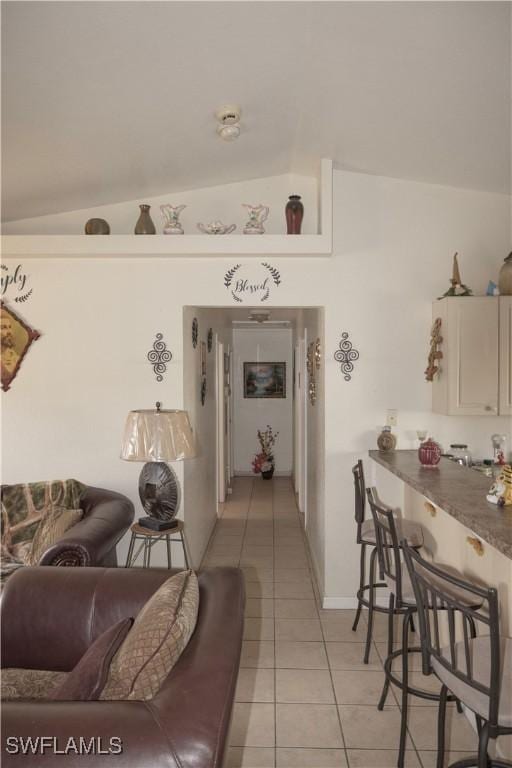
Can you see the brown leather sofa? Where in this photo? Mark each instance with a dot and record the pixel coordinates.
(93, 540)
(51, 615)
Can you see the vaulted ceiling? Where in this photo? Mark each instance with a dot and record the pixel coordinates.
(110, 101)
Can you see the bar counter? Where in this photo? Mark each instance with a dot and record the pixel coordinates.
(457, 490)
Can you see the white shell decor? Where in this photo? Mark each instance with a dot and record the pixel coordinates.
(170, 215)
(216, 228)
(257, 215)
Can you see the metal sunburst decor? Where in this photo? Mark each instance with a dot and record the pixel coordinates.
(159, 356)
(346, 355)
(195, 332)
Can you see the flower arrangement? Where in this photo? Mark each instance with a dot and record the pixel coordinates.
(264, 460)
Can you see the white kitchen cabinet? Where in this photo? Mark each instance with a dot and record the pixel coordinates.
(505, 363)
(467, 383)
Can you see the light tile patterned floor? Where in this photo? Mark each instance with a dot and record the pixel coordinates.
(304, 698)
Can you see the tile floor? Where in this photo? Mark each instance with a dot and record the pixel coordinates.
(304, 698)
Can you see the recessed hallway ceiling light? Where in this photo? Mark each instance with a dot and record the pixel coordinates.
(259, 317)
(229, 122)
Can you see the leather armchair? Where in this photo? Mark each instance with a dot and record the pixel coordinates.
(51, 615)
(92, 541)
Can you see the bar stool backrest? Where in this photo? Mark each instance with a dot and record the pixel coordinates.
(388, 547)
(436, 590)
(359, 496)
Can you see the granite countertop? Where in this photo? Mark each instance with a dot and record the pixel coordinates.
(458, 490)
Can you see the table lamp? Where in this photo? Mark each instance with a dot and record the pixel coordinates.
(157, 437)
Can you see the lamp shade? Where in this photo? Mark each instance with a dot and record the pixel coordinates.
(157, 435)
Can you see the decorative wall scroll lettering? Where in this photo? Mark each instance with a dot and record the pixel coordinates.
(346, 355)
(250, 283)
(16, 338)
(159, 356)
(15, 281)
(209, 339)
(195, 332)
(310, 367)
(435, 353)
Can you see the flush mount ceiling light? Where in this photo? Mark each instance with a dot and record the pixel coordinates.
(259, 317)
(229, 122)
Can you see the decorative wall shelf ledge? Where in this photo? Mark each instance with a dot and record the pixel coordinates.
(176, 246)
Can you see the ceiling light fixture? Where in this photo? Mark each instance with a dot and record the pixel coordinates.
(259, 317)
(229, 122)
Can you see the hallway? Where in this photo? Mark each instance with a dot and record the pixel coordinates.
(304, 698)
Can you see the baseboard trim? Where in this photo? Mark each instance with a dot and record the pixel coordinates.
(251, 474)
(343, 603)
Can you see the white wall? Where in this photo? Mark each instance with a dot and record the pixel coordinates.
(203, 205)
(249, 415)
(200, 474)
(393, 247)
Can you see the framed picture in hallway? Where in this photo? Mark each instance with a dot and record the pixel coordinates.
(264, 380)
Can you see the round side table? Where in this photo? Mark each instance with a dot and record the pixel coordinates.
(148, 538)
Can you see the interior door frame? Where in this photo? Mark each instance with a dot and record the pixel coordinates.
(220, 414)
(301, 425)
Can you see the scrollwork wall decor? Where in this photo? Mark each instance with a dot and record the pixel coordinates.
(159, 356)
(310, 367)
(346, 355)
(195, 332)
(318, 354)
(209, 339)
(435, 353)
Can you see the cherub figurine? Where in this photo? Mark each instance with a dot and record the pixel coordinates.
(257, 215)
(170, 214)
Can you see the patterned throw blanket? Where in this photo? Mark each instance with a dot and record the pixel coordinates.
(33, 517)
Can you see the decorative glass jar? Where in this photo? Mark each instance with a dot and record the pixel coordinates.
(429, 453)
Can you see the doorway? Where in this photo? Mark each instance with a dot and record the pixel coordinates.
(223, 347)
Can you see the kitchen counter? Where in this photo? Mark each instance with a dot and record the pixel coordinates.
(457, 490)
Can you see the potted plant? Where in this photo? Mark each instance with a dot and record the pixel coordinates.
(263, 461)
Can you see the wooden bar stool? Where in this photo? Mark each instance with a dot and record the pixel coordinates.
(366, 537)
(475, 669)
(148, 538)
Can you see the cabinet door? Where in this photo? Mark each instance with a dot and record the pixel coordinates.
(505, 406)
(473, 356)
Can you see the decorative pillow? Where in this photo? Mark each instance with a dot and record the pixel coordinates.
(159, 634)
(19, 683)
(52, 527)
(25, 505)
(86, 681)
(8, 564)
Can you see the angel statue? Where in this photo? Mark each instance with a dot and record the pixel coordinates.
(170, 215)
(257, 215)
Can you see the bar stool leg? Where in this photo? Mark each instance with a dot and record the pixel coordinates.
(483, 742)
(130, 551)
(146, 553)
(361, 585)
(371, 598)
(391, 617)
(407, 622)
(441, 718)
(169, 558)
(184, 545)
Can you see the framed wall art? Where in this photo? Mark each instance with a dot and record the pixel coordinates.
(16, 338)
(267, 380)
